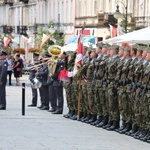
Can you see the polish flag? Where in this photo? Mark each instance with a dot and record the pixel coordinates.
(119, 30)
(6, 41)
(44, 39)
(25, 39)
(113, 31)
(79, 57)
(65, 75)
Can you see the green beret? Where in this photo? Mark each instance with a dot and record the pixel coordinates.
(121, 47)
(128, 49)
(99, 44)
(139, 48)
(115, 47)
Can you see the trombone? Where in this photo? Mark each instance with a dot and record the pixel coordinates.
(38, 65)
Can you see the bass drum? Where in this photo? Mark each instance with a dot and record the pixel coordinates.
(35, 83)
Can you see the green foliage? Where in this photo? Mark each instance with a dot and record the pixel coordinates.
(56, 35)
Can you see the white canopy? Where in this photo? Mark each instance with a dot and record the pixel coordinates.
(131, 35)
(143, 39)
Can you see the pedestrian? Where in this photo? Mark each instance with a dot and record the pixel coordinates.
(3, 79)
(9, 68)
(17, 69)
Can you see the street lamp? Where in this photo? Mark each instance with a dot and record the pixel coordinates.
(118, 15)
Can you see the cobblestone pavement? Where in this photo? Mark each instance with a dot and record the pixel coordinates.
(40, 130)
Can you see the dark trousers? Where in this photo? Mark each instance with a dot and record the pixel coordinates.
(34, 96)
(45, 95)
(9, 73)
(3, 94)
(59, 96)
(52, 96)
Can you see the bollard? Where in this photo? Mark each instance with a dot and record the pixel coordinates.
(23, 99)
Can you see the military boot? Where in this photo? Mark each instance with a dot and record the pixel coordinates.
(126, 129)
(68, 114)
(71, 113)
(145, 138)
(123, 126)
(83, 117)
(109, 124)
(133, 130)
(137, 133)
(141, 135)
(87, 118)
(97, 121)
(114, 126)
(80, 116)
(144, 134)
(148, 138)
(92, 119)
(103, 122)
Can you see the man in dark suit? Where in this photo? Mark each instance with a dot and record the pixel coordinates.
(58, 85)
(31, 77)
(3, 79)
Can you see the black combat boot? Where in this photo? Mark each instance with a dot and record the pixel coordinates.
(97, 121)
(80, 116)
(83, 117)
(145, 138)
(103, 122)
(126, 129)
(133, 130)
(143, 135)
(114, 126)
(92, 119)
(68, 114)
(87, 118)
(71, 113)
(123, 126)
(109, 124)
(137, 133)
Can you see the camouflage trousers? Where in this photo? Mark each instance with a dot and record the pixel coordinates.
(125, 104)
(68, 88)
(113, 103)
(74, 93)
(99, 97)
(145, 111)
(84, 102)
(91, 97)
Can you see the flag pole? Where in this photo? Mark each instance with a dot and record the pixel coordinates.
(80, 87)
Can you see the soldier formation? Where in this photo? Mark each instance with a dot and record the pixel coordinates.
(115, 93)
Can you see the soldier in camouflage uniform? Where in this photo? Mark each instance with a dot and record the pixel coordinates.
(124, 83)
(136, 100)
(90, 88)
(113, 110)
(68, 85)
(99, 73)
(131, 93)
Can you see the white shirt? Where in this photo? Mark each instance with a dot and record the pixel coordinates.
(9, 61)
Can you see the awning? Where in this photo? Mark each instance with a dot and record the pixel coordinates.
(72, 40)
(90, 39)
(86, 39)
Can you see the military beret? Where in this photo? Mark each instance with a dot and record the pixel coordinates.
(3, 53)
(99, 44)
(135, 46)
(115, 47)
(139, 49)
(105, 46)
(121, 47)
(128, 49)
(36, 54)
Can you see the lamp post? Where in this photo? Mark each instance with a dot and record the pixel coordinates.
(118, 15)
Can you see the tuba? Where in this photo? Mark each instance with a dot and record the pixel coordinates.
(55, 51)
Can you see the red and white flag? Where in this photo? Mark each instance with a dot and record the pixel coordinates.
(79, 57)
(119, 30)
(65, 75)
(6, 41)
(113, 31)
(44, 39)
(25, 39)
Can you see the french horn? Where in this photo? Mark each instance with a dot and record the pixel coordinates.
(55, 51)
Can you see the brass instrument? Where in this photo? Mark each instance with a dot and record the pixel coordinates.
(55, 51)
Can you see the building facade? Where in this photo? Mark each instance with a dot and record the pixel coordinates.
(72, 16)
